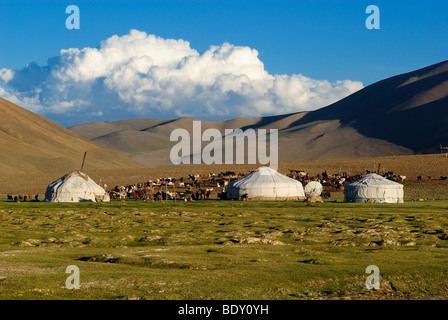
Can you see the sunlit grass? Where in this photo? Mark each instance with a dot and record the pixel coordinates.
(223, 250)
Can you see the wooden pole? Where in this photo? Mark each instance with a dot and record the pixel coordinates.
(83, 161)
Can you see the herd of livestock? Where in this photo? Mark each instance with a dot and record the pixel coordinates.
(213, 186)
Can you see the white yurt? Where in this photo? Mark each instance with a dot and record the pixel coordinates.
(373, 188)
(75, 187)
(266, 184)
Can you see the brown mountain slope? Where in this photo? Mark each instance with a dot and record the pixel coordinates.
(405, 114)
(410, 110)
(30, 143)
(318, 140)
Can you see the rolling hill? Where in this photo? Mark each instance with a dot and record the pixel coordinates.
(405, 114)
(30, 143)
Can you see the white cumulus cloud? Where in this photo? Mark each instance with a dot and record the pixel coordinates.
(142, 75)
(6, 75)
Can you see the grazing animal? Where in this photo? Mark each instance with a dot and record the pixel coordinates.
(326, 195)
(244, 197)
(197, 183)
(443, 178)
(419, 178)
(223, 194)
(10, 198)
(122, 195)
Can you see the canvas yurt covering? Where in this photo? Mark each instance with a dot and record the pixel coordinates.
(266, 184)
(75, 187)
(373, 188)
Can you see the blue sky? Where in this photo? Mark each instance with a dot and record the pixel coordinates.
(322, 40)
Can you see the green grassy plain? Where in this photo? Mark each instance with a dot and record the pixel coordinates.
(224, 250)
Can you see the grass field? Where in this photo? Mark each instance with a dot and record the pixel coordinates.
(224, 250)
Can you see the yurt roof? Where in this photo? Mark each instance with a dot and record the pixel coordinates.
(263, 176)
(75, 174)
(373, 179)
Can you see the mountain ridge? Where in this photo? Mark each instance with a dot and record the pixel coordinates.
(31, 143)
